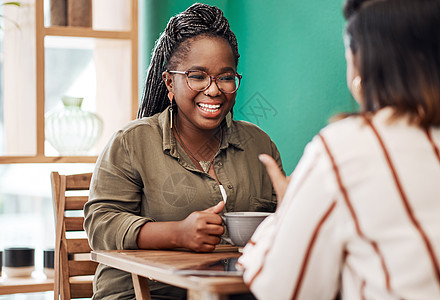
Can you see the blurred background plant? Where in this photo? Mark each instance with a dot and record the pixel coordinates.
(4, 3)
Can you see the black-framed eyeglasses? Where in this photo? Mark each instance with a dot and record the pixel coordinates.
(200, 81)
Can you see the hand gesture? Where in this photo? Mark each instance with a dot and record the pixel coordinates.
(279, 181)
(201, 230)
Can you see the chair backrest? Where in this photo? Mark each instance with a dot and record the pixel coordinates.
(73, 268)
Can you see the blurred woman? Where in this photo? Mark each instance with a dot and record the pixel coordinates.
(360, 215)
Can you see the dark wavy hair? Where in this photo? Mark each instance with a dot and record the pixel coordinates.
(396, 46)
(352, 6)
(171, 47)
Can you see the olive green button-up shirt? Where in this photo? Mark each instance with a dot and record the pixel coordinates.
(144, 175)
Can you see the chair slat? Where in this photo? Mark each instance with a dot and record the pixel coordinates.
(81, 290)
(76, 202)
(74, 223)
(64, 272)
(78, 182)
(78, 246)
(75, 271)
(80, 268)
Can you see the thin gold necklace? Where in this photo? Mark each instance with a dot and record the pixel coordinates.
(206, 165)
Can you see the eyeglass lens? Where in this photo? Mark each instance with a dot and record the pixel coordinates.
(199, 81)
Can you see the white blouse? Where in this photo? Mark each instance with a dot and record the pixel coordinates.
(361, 215)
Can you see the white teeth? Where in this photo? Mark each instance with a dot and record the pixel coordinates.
(209, 107)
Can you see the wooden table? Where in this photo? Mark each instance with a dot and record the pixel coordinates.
(161, 265)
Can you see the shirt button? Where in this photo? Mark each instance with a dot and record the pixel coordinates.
(229, 186)
(219, 164)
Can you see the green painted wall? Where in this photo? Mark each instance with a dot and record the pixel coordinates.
(292, 62)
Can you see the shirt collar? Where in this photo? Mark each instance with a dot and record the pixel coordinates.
(230, 135)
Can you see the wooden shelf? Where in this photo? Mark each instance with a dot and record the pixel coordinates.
(47, 159)
(35, 284)
(70, 31)
(41, 31)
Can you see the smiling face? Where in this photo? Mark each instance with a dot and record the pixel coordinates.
(202, 110)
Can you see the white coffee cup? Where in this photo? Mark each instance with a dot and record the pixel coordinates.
(242, 225)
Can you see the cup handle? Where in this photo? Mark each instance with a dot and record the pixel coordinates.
(226, 239)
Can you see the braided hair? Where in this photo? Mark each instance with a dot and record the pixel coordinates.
(170, 49)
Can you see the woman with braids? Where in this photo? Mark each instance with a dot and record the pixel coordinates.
(163, 179)
(361, 212)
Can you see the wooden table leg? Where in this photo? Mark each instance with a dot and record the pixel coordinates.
(205, 295)
(141, 289)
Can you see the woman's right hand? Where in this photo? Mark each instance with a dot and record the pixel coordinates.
(201, 230)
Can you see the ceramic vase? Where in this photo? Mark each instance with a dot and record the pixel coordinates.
(19, 261)
(48, 262)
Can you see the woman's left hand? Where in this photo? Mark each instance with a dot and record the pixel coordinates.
(279, 181)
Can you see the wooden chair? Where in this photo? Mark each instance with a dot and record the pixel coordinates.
(73, 268)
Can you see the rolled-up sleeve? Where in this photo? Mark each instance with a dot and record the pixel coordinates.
(112, 214)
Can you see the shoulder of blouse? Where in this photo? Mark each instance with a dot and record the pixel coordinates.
(131, 130)
(146, 122)
(130, 133)
(347, 128)
(356, 125)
